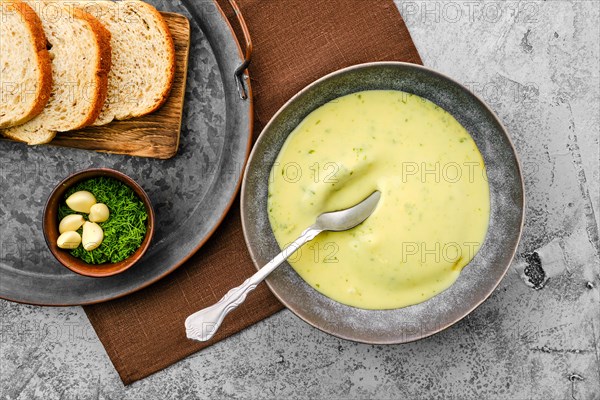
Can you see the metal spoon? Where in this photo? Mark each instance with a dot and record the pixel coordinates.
(202, 325)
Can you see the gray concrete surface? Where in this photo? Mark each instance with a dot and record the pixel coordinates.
(537, 64)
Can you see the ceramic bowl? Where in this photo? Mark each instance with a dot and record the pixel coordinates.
(50, 225)
(477, 280)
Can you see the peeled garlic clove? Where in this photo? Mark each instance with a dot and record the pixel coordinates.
(81, 201)
(70, 223)
(93, 235)
(69, 240)
(99, 213)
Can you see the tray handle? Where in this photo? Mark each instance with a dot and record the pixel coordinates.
(239, 72)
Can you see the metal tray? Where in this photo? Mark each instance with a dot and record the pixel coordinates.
(190, 192)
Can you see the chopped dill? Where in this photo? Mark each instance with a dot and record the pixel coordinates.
(124, 230)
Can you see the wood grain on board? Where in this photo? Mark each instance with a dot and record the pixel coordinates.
(155, 135)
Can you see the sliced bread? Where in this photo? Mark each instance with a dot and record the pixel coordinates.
(25, 68)
(81, 59)
(143, 58)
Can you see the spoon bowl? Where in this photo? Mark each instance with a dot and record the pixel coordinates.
(350, 217)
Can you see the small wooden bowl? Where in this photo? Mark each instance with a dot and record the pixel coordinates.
(50, 225)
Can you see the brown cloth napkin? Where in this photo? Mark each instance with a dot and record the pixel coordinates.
(295, 42)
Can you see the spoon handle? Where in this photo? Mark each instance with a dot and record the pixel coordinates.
(203, 324)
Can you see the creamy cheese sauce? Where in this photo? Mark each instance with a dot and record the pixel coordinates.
(433, 213)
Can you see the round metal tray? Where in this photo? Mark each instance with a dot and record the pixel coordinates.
(191, 192)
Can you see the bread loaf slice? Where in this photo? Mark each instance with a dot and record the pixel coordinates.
(143, 58)
(25, 68)
(81, 59)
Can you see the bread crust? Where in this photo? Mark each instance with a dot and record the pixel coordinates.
(103, 66)
(44, 87)
(172, 60)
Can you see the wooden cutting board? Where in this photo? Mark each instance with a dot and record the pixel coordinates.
(155, 135)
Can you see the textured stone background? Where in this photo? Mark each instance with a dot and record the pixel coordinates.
(537, 64)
